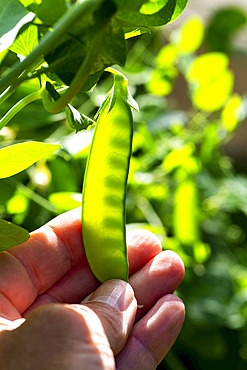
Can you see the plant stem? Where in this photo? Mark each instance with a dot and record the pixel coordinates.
(18, 106)
(76, 12)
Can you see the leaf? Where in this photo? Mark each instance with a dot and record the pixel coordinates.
(190, 36)
(129, 4)
(26, 3)
(220, 31)
(11, 235)
(231, 114)
(65, 200)
(67, 57)
(77, 120)
(49, 11)
(186, 213)
(129, 32)
(16, 158)
(210, 80)
(152, 6)
(26, 41)
(13, 16)
(162, 81)
(147, 16)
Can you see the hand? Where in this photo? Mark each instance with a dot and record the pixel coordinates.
(43, 324)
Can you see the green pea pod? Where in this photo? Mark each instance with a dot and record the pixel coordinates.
(104, 191)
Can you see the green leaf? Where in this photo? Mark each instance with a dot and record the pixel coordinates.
(152, 6)
(67, 57)
(210, 80)
(26, 41)
(16, 158)
(186, 213)
(13, 16)
(49, 11)
(77, 120)
(65, 200)
(162, 81)
(129, 4)
(129, 32)
(223, 26)
(190, 36)
(26, 3)
(231, 114)
(201, 251)
(147, 16)
(11, 235)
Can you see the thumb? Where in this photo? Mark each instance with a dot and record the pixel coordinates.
(115, 305)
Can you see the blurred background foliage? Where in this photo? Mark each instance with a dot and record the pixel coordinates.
(185, 184)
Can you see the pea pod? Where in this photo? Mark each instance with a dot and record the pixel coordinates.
(104, 191)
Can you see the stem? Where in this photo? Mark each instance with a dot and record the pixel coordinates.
(78, 81)
(11, 89)
(7, 93)
(18, 106)
(75, 13)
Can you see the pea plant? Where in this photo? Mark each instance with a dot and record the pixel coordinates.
(66, 45)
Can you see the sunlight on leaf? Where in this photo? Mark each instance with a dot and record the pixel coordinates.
(207, 67)
(65, 200)
(212, 96)
(16, 158)
(161, 82)
(136, 32)
(154, 13)
(231, 113)
(182, 158)
(152, 6)
(201, 251)
(186, 212)
(190, 36)
(166, 56)
(26, 3)
(17, 204)
(26, 42)
(210, 80)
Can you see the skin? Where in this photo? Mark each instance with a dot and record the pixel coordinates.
(43, 324)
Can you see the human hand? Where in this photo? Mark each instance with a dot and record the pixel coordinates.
(43, 324)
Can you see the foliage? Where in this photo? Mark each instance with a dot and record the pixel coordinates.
(65, 46)
(181, 185)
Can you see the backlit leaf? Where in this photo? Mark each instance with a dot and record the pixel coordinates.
(190, 36)
(186, 212)
(210, 80)
(231, 113)
(16, 158)
(148, 16)
(26, 41)
(65, 200)
(11, 235)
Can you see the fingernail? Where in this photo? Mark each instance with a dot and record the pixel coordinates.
(115, 293)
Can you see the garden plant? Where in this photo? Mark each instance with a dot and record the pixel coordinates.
(69, 70)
